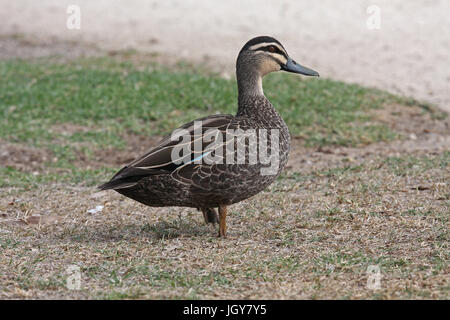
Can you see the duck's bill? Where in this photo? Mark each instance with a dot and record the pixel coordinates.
(292, 66)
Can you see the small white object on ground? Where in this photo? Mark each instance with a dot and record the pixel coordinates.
(96, 209)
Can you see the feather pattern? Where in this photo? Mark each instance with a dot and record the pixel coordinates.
(208, 172)
(155, 180)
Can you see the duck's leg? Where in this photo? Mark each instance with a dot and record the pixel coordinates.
(222, 221)
(210, 215)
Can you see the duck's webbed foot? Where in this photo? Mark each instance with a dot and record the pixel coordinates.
(210, 215)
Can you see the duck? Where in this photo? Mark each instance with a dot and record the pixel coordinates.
(219, 160)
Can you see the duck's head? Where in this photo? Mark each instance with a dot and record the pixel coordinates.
(262, 55)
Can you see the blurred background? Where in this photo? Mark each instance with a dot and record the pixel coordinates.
(399, 46)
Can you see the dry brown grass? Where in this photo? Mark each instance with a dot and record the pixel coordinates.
(311, 235)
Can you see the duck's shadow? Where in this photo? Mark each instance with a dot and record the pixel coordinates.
(135, 232)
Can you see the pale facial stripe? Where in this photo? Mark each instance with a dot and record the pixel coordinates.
(280, 58)
(266, 44)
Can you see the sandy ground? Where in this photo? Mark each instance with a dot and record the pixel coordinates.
(408, 54)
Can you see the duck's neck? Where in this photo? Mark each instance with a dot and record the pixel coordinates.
(249, 83)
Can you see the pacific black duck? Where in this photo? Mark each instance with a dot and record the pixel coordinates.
(219, 160)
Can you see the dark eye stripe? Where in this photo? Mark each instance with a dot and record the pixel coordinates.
(276, 50)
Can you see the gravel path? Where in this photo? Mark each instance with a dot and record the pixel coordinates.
(409, 54)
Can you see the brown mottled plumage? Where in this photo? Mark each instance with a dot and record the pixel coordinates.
(156, 180)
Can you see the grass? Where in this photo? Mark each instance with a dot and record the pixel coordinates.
(11, 177)
(81, 107)
(342, 206)
(110, 97)
(287, 242)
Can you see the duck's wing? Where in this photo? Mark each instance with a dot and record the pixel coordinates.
(159, 160)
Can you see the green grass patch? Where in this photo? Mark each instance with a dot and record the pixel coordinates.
(411, 165)
(10, 177)
(109, 97)
(77, 108)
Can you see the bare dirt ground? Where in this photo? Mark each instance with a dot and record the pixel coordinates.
(407, 55)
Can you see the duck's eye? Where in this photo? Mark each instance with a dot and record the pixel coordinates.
(271, 49)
